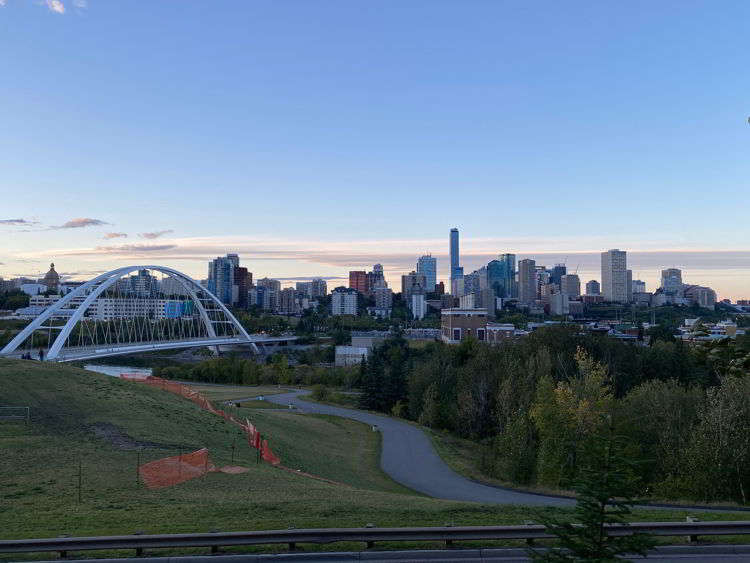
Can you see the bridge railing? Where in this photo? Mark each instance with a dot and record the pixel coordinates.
(368, 536)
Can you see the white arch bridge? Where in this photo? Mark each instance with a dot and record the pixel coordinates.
(131, 310)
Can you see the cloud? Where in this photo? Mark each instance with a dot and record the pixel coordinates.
(80, 4)
(2, 2)
(155, 234)
(16, 222)
(132, 248)
(307, 278)
(81, 222)
(56, 6)
(114, 235)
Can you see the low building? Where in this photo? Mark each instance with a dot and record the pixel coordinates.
(499, 332)
(350, 355)
(459, 324)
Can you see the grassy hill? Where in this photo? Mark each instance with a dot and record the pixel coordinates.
(106, 423)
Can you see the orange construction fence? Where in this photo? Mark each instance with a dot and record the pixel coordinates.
(253, 436)
(177, 469)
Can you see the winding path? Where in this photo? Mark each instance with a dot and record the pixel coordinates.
(408, 457)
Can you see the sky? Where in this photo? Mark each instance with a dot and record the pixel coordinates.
(315, 137)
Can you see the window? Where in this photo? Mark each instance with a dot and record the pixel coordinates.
(480, 334)
(456, 334)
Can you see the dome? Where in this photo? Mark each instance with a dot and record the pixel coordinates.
(52, 279)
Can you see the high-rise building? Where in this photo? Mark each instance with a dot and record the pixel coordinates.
(383, 299)
(629, 285)
(427, 265)
(501, 276)
(593, 288)
(358, 280)
(409, 282)
(671, 281)
(288, 301)
(570, 284)
(268, 283)
(615, 276)
(527, 291)
(263, 297)
(418, 303)
(221, 277)
(316, 287)
(638, 286)
(456, 270)
(242, 280)
(557, 273)
(375, 277)
(344, 301)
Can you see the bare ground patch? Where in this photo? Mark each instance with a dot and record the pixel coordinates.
(114, 435)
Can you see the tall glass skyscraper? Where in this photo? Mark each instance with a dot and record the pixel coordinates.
(427, 265)
(501, 276)
(456, 271)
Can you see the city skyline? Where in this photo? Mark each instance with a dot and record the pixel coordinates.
(572, 130)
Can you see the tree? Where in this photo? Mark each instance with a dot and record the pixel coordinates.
(605, 489)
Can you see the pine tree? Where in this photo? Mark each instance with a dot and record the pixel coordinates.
(606, 486)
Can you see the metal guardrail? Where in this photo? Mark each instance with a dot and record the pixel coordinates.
(369, 536)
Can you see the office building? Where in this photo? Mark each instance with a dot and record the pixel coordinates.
(408, 283)
(501, 276)
(629, 285)
(671, 281)
(557, 273)
(527, 291)
(316, 287)
(570, 284)
(456, 270)
(344, 301)
(242, 281)
(427, 265)
(268, 283)
(638, 286)
(615, 276)
(593, 288)
(358, 281)
(375, 277)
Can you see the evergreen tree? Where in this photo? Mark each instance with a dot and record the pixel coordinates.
(605, 487)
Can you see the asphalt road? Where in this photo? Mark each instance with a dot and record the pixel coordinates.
(408, 457)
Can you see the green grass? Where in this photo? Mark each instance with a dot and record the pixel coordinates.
(220, 393)
(39, 466)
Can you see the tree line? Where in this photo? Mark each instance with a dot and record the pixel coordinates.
(533, 405)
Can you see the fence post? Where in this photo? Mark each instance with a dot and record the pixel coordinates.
(692, 538)
(234, 441)
(138, 470)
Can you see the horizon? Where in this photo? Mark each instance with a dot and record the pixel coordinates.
(317, 139)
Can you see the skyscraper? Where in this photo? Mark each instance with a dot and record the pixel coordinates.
(427, 265)
(527, 281)
(501, 276)
(456, 271)
(557, 273)
(571, 285)
(615, 276)
(358, 280)
(221, 277)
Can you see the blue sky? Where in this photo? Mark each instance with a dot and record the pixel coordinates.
(311, 136)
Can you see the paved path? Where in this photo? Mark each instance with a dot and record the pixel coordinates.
(408, 457)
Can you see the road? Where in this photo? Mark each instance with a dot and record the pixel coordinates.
(408, 457)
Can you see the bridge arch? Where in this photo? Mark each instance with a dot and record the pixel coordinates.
(219, 326)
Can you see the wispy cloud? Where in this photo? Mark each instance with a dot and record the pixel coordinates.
(17, 222)
(114, 235)
(132, 249)
(2, 2)
(80, 223)
(155, 234)
(56, 6)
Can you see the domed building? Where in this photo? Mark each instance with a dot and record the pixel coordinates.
(52, 278)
